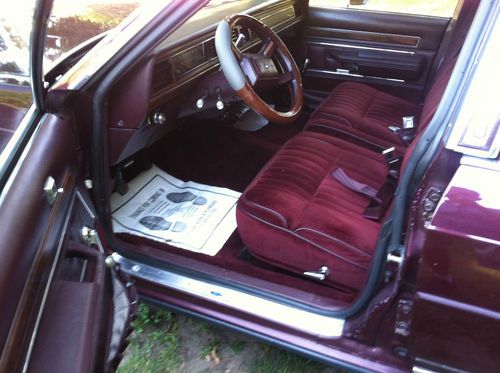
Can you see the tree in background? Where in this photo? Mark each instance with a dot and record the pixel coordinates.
(74, 30)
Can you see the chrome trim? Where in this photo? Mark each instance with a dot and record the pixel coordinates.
(84, 203)
(475, 125)
(54, 264)
(341, 73)
(412, 37)
(417, 369)
(12, 144)
(487, 163)
(47, 287)
(279, 313)
(91, 214)
(352, 46)
(84, 270)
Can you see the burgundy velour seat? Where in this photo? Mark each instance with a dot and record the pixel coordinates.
(366, 112)
(296, 215)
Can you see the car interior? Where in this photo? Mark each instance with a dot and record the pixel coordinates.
(316, 184)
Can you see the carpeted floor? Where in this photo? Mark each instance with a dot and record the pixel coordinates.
(222, 156)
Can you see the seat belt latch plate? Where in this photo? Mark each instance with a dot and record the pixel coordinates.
(408, 122)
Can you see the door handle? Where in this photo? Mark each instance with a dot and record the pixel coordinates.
(93, 256)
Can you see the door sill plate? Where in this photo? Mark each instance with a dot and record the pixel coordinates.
(309, 322)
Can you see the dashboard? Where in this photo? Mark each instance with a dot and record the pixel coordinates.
(177, 66)
(166, 84)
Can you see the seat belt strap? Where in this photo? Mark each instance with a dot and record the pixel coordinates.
(378, 205)
(340, 175)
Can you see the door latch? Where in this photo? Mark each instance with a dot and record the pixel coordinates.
(51, 190)
(88, 235)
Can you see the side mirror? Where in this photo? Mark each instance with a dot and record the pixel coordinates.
(358, 2)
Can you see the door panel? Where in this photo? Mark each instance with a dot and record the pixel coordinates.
(55, 290)
(392, 51)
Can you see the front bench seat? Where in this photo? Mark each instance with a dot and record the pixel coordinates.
(362, 114)
(297, 216)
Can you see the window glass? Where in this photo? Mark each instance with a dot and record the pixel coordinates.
(15, 90)
(74, 22)
(440, 8)
(71, 23)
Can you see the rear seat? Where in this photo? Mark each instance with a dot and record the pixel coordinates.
(362, 114)
(298, 214)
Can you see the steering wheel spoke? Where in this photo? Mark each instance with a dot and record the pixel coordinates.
(286, 78)
(268, 49)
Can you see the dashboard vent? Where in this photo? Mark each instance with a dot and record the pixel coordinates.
(249, 38)
(209, 49)
(162, 75)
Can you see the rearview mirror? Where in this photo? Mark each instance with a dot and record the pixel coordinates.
(358, 2)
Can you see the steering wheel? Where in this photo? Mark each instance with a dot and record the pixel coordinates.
(247, 72)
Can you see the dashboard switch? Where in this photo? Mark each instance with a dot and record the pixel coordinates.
(200, 103)
(220, 103)
(158, 117)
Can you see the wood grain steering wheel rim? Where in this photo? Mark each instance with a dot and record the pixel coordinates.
(245, 72)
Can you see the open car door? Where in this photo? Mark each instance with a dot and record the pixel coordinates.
(65, 308)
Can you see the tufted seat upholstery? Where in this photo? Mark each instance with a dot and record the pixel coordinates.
(297, 216)
(365, 112)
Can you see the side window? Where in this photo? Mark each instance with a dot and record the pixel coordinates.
(73, 23)
(438, 8)
(15, 87)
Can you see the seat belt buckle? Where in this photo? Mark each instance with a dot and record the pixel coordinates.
(407, 132)
(389, 154)
(394, 129)
(408, 122)
(392, 160)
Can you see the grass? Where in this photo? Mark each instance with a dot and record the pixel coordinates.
(274, 360)
(166, 342)
(237, 346)
(154, 345)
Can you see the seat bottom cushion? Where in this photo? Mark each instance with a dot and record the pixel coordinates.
(295, 215)
(365, 113)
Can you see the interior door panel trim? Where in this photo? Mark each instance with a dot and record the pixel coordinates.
(430, 30)
(351, 75)
(53, 266)
(352, 46)
(366, 36)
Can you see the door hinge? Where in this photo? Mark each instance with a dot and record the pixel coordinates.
(429, 204)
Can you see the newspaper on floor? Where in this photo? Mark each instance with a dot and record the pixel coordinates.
(186, 215)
